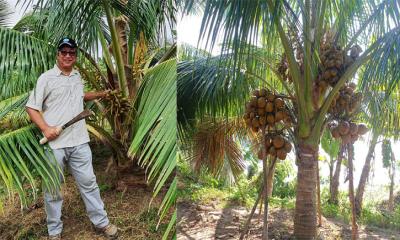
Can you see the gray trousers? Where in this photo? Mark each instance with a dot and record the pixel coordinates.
(79, 161)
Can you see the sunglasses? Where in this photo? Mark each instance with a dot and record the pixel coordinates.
(65, 53)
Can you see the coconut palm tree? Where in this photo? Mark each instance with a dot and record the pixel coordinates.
(295, 36)
(125, 46)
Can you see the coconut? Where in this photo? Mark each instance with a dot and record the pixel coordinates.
(352, 86)
(279, 103)
(268, 141)
(353, 128)
(269, 107)
(255, 122)
(254, 101)
(354, 137)
(270, 119)
(270, 96)
(256, 93)
(263, 92)
(278, 141)
(261, 102)
(344, 128)
(272, 151)
(263, 121)
(255, 129)
(287, 147)
(362, 129)
(261, 112)
(252, 115)
(335, 133)
(279, 115)
(346, 139)
(281, 154)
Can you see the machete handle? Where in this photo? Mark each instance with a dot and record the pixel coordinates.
(45, 140)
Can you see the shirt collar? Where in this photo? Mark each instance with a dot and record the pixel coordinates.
(58, 71)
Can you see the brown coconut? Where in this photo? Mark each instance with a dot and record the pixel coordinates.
(254, 101)
(354, 137)
(255, 129)
(270, 119)
(279, 103)
(268, 141)
(287, 147)
(346, 139)
(269, 107)
(280, 115)
(270, 96)
(261, 112)
(272, 151)
(261, 102)
(362, 129)
(335, 133)
(256, 93)
(263, 120)
(255, 123)
(281, 154)
(344, 128)
(263, 92)
(353, 128)
(278, 142)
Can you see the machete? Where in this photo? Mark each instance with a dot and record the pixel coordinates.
(86, 113)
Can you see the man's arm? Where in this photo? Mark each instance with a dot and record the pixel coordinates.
(49, 132)
(95, 95)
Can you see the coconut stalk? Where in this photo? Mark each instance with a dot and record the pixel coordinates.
(253, 210)
(354, 226)
(117, 51)
(265, 191)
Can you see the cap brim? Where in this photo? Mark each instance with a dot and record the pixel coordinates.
(66, 44)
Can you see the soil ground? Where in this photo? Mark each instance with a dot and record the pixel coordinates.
(126, 203)
(210, 222)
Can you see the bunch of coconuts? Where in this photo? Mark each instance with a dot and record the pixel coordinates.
(265, 109)
(119, 105)
(346, 101)
(334, 61)
(348, 131)
(276, 146)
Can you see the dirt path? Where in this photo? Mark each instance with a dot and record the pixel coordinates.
(127, 205)
(204, 222)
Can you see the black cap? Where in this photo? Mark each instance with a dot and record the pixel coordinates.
(66, 41)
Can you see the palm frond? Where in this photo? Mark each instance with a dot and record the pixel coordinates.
(22, 159)
(214, 145)
(382, 69)
(4, 13)
(154, 18)
(22, 59)
(154, 128)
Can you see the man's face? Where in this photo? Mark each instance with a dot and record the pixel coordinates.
(66, 57)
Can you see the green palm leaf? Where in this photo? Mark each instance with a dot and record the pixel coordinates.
(22, 159)
(154, 140)
(4, 13)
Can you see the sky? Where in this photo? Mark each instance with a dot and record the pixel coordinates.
(188, 29)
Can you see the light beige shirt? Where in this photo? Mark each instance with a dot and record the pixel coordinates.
(60, 98)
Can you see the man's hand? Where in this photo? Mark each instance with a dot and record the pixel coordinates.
(96, 95)
(51, 133)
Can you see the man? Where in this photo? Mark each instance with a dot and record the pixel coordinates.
(56, 99)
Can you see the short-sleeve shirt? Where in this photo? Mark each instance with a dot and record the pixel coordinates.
(60, 98)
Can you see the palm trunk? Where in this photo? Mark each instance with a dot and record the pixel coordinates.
(354, 227)
(271, 173)
(319, 198)
(391, 174)
(365, 174)
(334, 189)
(265, 173)
(305, 221)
